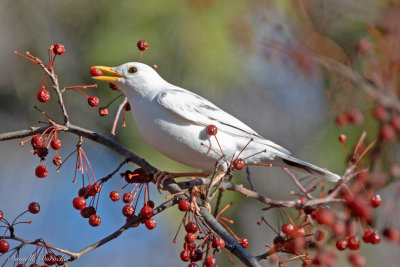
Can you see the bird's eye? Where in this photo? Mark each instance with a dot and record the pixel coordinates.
(132, 70)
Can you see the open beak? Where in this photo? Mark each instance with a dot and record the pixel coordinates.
(114, 75)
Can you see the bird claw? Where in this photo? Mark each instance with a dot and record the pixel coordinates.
(160, 177)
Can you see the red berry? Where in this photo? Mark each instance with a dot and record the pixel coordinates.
(42, 152)
(319, 235)
(341, 120)
(94, 189)
(356, 260)
(128, 210)
(150, 204)
(1, 215)
(341, 244)
(218, 242)
(191, 227)
(189, 246)
(95, 72)
(295, 245)
(4, 246)
(392, 234)
(376, 200)
(342, 138)
(94, 220)
(211, 130)
(56, 144)
(127, 198)
(366, 236)
(278, 240)
(50, 259)
(325, 217)
(238, 164)
(146, 212)
(57, 160)
(287, 228)
(355, 116)
(364, 46)
(379, 113)
(243, 242)
(374, 238)
(79, 203)
(60, 260)
(395, 122)
(150, 223)
(185, 255)
(37, 142)
(387, 133)
(210, 262)
(353, 243)
(190, 238)
(21, 265)
(184, 205)
(196, 255)
(142, 45)
(34, 207)
(88, 211)
(84, 192)
(41, 171)
(58, 49)
(132, 218)
(93, 101)
(308, 210)
(114, 195)
(43, 95)
(193, 264)
(137, 176)
(114, 87)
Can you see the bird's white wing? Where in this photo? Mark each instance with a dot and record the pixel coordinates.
(198, 110)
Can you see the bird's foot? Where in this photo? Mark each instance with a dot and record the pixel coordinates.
(160, 177)
(216, 180)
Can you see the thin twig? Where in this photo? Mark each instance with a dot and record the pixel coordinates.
(116, 118)
(249, 178)
(298, 184)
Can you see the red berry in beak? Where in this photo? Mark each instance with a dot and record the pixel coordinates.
(95, 72)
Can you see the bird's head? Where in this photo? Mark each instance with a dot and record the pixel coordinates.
(133, 78)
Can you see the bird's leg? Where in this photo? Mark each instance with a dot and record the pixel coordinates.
(216, 179)
(160, 177)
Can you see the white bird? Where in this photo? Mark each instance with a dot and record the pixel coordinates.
(173, 120)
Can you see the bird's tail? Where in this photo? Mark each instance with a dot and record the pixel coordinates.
(287, 161)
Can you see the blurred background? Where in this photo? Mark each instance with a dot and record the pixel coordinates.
(251, 58)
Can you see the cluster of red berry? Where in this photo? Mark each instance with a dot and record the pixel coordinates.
(351, 116)
(40, 147)
(191, 252)
(140, 181)
(79, 203)
(195, 231)
(49, 258)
